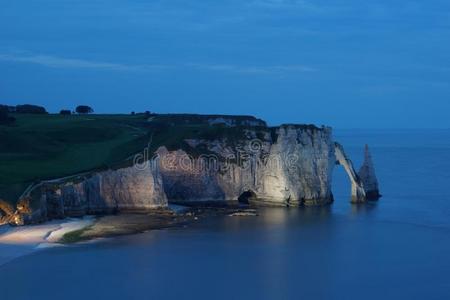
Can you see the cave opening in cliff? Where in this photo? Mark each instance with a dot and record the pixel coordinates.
(246, 196)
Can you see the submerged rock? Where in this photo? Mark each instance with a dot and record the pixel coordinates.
(244, 213)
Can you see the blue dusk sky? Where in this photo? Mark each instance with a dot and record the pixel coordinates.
(347, 63)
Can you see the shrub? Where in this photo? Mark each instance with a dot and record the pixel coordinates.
(30, 109)
(84, 109)
(65, 112)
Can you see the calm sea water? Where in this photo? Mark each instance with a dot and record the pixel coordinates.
(397, 248)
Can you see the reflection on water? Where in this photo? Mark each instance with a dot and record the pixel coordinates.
(301, 216)
(364, 208)
(277, 217)
(306, 253)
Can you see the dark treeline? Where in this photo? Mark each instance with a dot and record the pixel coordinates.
(7, 110)
(24, 109)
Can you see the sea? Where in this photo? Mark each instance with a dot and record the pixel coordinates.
(394, 248)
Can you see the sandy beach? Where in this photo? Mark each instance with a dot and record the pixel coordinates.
(19, 241)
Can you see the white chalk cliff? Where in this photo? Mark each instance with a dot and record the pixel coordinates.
(125, 189)
(289, 165)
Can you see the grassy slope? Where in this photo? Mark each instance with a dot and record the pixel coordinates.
(41, 147)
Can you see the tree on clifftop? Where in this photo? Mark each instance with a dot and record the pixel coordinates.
(65, 112)
(30, 109)
(84, 109)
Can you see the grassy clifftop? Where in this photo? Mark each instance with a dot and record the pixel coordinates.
(41, 147)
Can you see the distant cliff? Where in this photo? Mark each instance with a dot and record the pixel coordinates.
(194, 158)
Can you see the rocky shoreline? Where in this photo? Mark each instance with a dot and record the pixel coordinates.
(132, 223)
(75, 230)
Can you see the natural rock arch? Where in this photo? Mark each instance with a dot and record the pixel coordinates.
(364, 183)
(358, 192)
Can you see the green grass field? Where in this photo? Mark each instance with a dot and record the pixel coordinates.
(39, 147)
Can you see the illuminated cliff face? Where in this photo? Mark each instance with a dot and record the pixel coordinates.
(104, 192)
(290, 165)
(295, 168)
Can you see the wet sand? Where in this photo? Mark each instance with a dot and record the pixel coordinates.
(19, 241)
